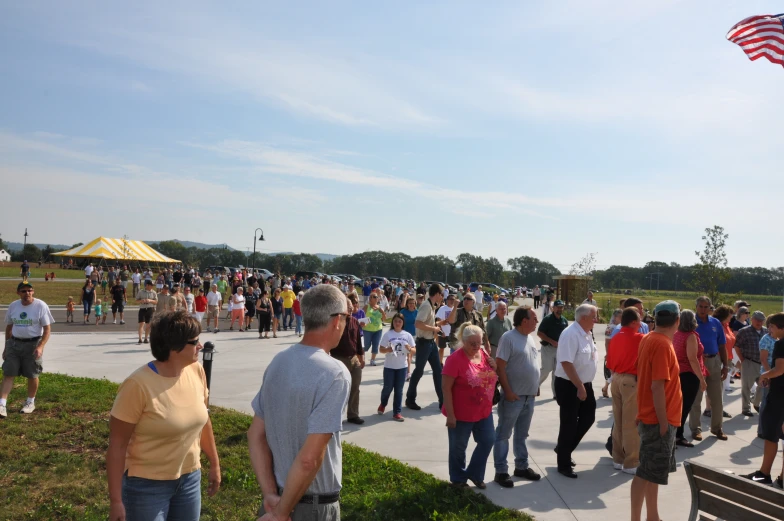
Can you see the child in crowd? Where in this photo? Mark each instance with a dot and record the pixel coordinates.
(98, 311)
(104, 283)
(69, 309)
(298, 313)
(105, 311)
(396, 344)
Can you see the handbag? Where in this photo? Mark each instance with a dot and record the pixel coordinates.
(497, 394)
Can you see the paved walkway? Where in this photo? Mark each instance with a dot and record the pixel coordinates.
(600, 492)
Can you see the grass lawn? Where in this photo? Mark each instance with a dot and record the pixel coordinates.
(766, 303)
(53, 467)
(53, 293)
(38, 273)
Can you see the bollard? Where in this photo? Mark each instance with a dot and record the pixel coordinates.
(207, 352)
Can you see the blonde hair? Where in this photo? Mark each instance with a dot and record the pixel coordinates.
(466, 331)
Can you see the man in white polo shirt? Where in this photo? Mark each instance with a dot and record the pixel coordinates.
(27, 328)
(575, 370)
(213, 307)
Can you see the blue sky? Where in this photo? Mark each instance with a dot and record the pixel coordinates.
(622, 128)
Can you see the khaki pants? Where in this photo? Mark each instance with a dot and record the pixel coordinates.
(355, 369)
(715, 390)
(626, 438)
(749, 372)
(548, 365)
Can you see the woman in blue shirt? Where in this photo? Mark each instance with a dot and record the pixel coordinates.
(409, 313)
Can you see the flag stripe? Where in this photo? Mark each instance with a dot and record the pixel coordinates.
(760, 37)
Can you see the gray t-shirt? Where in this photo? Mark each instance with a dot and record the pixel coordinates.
(305, 391)
(522, 362)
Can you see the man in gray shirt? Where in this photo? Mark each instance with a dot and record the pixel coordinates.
(294, 440)
(518, 372)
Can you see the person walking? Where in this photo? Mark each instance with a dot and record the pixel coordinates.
(622, 362)
(214, 299)
(537, 293)
(689, 351)
(277, 311)
(518, 369)
(199, 305)
(427, 351)
(238, 308)
(87, 298)
(470, 314)
(574, 372)
(297, 308)
(158, 428)
(497, 326)
(147, 300)
(28, 325)
(372, 329)
(119, 301)
(350, 353)
(659, 402)
(295, 436)
(469, 380)
(264, 311)
(136, 279)
(397, 344)
(712, 337)
(288, 307)
(747, 348)
(549, 333)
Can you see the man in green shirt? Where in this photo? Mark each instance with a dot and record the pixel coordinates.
(549, 332)
(222, 287)
(497, 326)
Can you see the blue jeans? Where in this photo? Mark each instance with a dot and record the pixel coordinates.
(299, 324)
(512, 415)
(288, 313)
(394, 379)
(162, 500)
(484, 436)
(88, 305)
(426, 352)
(372, 338)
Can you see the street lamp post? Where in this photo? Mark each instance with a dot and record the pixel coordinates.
(253, 262)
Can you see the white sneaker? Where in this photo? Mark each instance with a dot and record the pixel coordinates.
(115, 322)
(28, 408)
(3, 411)
(617, 466)
(631, 471)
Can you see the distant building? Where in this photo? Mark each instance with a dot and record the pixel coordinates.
(5, 256)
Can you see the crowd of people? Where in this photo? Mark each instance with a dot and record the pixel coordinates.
(657, 369)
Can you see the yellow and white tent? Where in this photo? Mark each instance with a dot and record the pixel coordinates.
(116, 249)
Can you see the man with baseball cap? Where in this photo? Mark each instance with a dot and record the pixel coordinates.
(747, 343)
(659, 406)
(27, 328)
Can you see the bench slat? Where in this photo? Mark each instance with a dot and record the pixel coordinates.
(774, 510)
(727, 511)
(738, 483)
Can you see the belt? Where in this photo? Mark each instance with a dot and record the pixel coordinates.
(711, 356)
(34, 339)
(318, 499)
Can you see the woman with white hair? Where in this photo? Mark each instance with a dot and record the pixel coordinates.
(469, 380)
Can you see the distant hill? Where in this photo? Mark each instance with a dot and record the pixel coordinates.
(17, 246)
(322, 256)
(191, 244)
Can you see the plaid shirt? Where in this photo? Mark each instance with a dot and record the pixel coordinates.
(747, 341)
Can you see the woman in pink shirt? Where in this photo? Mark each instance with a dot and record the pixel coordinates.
(469, 380)
(689, 351)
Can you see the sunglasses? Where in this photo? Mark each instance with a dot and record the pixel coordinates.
(193, 342)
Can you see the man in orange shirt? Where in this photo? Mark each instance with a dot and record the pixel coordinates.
(659, 404)
(622, 361)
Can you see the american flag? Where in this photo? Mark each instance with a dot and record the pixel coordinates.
(760, 37)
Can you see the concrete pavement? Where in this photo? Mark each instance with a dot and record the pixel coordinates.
(599, 493)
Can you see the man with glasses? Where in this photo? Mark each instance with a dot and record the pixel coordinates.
(294, 439)
(27, 328)
(711, 334)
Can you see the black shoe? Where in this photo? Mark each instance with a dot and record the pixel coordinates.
(504, 480)
(725, 414)
(413, 406)
(756, 408)
(139, 342)
(458, 484)
(780, 482)
(356, 421)
(145, 341)
(479, 484)
(759, 477)
(569, 473)
(747, 414)
(571, 461)
(528, 473)
(707, 413)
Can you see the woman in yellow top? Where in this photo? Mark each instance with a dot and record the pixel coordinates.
(288, 307)
(158, 427)
(371, 329)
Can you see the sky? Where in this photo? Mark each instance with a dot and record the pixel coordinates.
(549, 129)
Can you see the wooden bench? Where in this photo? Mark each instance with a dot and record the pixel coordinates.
(727, 497)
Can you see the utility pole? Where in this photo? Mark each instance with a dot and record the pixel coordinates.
(254, 246)
(25, 241)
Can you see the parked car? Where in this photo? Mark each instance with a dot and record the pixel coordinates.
(487, 287)
(264, 274)
(381, 280)
(350, 277)
(309, 275)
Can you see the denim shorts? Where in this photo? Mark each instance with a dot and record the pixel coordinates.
(162, 500)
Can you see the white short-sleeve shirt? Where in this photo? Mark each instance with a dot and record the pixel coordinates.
(576, 345)
(28, 321)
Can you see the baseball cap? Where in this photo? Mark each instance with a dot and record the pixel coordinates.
(759, 315)
(740, 303)
(667, 308)
(558, 302)
(24, 285)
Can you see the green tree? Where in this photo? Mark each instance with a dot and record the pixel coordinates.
(712, 269)
(531, 271)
